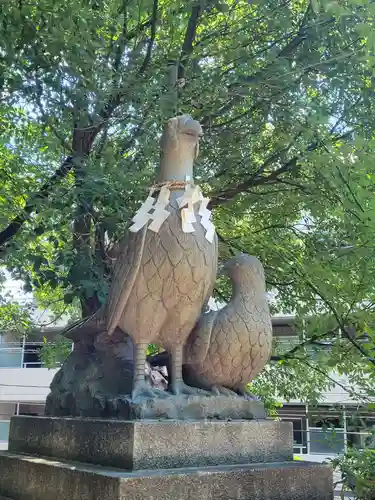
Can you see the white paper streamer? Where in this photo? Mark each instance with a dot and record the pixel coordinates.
(188, 218)
(160, 214)
(206, 219)
(156, 211)
(142, 215)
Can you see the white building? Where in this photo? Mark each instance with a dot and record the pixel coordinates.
(24, 382)
(337, 423)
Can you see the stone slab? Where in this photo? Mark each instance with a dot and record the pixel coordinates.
(150, 444)
(31, 478)
(188, 407)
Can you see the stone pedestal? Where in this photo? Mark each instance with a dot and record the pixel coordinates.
(96, 459)
(143, 444)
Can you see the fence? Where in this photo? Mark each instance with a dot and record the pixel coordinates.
(329, 441)
(20, 355)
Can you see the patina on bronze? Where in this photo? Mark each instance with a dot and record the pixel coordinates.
(163, 276)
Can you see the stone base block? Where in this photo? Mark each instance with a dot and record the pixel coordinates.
(185, 407)
(150, 444)
(29, 478)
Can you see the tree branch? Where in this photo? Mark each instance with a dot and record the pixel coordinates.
(122, 39)
(126, 36)
(81, 146)
(289, 49)
(257, 180)
(16, 224)
(82, 142)
(352, 393)
(312, 340)
(346, 183)
(187, 46)
(151, 40)
(342, 326)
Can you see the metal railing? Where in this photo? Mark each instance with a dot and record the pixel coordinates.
(16, 354)
(18, 408)
(299, 449)
(328, 442)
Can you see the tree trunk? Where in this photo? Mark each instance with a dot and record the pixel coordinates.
(85, 263)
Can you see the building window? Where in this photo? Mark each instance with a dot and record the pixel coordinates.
(299, 434)
(30, 409)
(10, 355)
(327, 434)
(31, 355)
(296, 414)
(361, 431)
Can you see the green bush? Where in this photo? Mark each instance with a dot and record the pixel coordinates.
(358, 472)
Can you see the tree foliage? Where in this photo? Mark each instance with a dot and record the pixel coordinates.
(358, 472)
(285, 92)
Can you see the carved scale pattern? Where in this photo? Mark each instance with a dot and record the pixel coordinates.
(231, 346)
(174, 277)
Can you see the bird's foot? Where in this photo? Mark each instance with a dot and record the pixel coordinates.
(182, 388)
(246, 394)
(219, 390)
(142, 390)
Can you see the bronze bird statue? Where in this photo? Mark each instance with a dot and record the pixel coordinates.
(166, 267)
(228, 348)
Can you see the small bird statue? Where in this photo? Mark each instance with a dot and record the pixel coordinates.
(229, 348)
(166, 267)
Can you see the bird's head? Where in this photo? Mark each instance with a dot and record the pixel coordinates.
(180, 131)
(243, 268)
(186, 125)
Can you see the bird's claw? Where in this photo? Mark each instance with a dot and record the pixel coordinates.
(178, 388)
(219, 390)
(143, 390)
(248, 395)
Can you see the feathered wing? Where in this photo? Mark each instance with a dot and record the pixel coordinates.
(214, 260)
(124, 275)
(199, 340)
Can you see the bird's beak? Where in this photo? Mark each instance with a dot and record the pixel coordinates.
(192, 127)
(193, 133)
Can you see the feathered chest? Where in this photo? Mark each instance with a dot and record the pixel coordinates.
(173, 247)
(168, 264)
